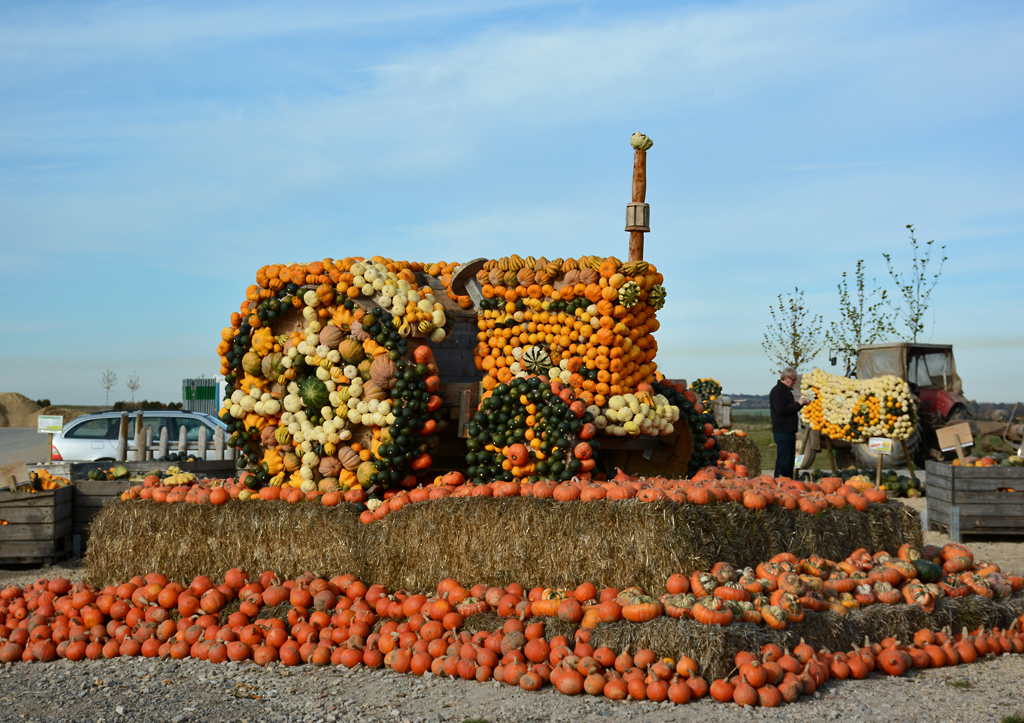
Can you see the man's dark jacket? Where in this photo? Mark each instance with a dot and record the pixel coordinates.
(784, 409)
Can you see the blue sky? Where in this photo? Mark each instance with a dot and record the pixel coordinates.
(152, 157)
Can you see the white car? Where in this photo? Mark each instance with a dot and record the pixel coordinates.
(93, 437)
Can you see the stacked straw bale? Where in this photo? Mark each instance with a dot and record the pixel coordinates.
(495, 541)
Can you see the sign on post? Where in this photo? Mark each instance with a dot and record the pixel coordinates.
(50, 424)
(880, 445)
(945, 436)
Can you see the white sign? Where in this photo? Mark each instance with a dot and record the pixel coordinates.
(50, 425)
(798, 461)
(880, 445)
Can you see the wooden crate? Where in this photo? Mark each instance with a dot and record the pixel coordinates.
(975, 500)
(90, 496)
(38, 528)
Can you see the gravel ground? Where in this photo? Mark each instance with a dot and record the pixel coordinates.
(176, 691)
(128, 690)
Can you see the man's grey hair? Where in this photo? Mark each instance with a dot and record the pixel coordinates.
(788, 373)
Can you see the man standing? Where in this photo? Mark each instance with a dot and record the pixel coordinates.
(784, 421)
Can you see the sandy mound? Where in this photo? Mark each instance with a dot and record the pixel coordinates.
(17, 410)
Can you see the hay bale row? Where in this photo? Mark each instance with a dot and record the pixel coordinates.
(714, 647)
(495, 541)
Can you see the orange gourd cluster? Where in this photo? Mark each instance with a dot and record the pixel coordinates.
(220, 492)
(773, 675)
(332, 622)
(593, 319)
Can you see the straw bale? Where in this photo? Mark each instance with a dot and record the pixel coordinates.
(612, 544)
(750, 455)
(489, 621)
(495, 541)
(129, 538)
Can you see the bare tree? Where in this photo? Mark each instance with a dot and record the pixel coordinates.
(794, 336)
(914, 290)
(860, 317)
(107, 381)
(133, 384)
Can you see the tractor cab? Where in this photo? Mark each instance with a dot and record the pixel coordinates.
(930, 371)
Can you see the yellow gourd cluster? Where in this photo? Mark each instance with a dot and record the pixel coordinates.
(856, 409)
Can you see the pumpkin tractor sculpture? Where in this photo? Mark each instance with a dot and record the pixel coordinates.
(379, 373)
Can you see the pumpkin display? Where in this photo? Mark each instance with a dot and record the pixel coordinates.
(327, 381)
(707, 390)
(587, 308)
(856, 409)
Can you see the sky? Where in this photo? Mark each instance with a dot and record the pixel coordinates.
(154, 156)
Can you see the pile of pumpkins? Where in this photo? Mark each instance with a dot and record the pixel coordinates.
(43, 479)
(711, 485)
(344, 622)
(1001, 459)
(707, 390)
(783, 589)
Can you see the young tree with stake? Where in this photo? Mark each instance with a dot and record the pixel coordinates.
(794, 337)
(860, 318)
(913, 297)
